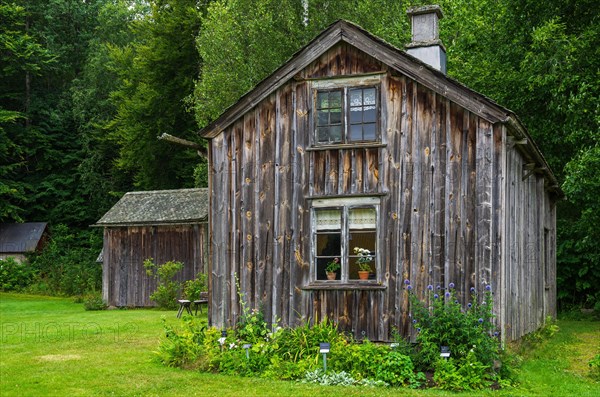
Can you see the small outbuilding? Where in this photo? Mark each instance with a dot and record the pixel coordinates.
(165, 225)
(355, 144)
(19, 239)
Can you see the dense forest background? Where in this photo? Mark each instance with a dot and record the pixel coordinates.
(87, 86)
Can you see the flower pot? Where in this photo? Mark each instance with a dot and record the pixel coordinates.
(331, 275)
(363, 274)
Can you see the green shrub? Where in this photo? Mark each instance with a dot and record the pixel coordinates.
(193, 288)
(93, 301)
(396, 369)
(67, 264)
(362, 360)
(183, 346)
(167, 290)
(447, 323)
(15, 276)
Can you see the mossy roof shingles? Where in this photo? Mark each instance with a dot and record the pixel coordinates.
(181, 206)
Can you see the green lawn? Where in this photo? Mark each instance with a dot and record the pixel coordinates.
(52, 347)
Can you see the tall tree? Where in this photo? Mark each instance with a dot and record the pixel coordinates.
(101, 183)
(156, 73)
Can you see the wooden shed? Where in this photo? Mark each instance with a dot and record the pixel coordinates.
(354, 143)
(19, 239)
(163, 225)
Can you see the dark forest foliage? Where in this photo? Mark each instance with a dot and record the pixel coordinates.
(87, 87)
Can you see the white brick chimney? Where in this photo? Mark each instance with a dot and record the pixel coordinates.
(426, 44)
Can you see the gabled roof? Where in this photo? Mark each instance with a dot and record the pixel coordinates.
(396, 59)
(20, 237)
(173, 207)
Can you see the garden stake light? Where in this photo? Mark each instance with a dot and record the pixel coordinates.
(324, 349)
(247, 346)
(444, 351)
(222, 338)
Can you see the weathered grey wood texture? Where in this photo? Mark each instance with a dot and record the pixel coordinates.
(454, 206)
(125, 282)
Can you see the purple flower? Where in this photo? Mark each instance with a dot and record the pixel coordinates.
(438, 287)
(436, 296)
(430, 287)
(480, 320)
(447, 294)
(409, 287)
(451, 285)
(496, 333)
(407, 281)
(469, 305)
(488, 287)
(456, 301)
(418, 329)
(472, 289)
(415, 321)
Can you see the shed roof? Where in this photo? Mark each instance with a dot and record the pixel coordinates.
(156, 207)
(20, 237)
(396, 59)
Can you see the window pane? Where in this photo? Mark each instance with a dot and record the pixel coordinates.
(323, 134)
(335, 99)
(370, 132)
(369, 96)
(322, 100)
(328, 244)
(335, 116)
(356, 132)
(356, 97)
(335, 133)
(361, 240)
(362, 218)
(322, 117)
(356, 115)
(328, 219)
(370, 114)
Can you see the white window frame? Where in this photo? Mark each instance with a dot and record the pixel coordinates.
(345, 204)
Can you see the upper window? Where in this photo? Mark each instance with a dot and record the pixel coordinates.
(346, 232)
(347, 115)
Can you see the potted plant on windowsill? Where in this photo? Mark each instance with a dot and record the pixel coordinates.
(364, 257)
(332, 268)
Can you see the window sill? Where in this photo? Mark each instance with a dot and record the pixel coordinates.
(342, 146)
(340, 286)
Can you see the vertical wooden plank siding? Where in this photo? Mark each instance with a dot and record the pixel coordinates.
(483, 205)
(453, 208)
(125, 282)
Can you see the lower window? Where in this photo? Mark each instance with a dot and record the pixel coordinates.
(345, 233)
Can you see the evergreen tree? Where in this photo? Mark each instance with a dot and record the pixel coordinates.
(156, 74)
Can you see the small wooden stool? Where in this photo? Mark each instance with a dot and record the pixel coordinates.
(184, 304)
(198, 303)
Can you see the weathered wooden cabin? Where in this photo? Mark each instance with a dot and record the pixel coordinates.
(163, 225)
(19, 239)
(355, 143)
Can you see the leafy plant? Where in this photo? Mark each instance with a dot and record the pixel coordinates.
(67, 264)
(396, 369)
(364, 257)
(168, 289)
(93, 301)
(447, 323)
(15, 276)
(193, 288)
(333, 266)
(184, 345)
(341, 378)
